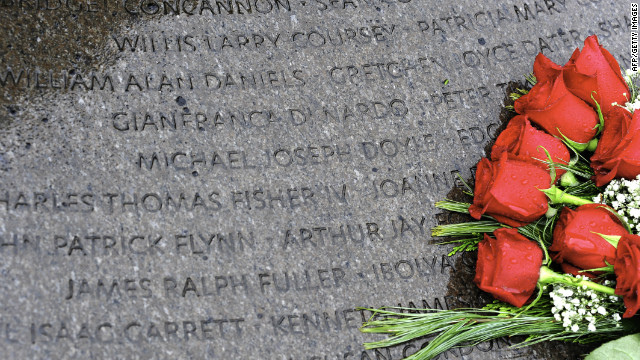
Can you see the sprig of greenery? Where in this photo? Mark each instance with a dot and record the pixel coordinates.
(469, 327)
(467, 228)
(455, 206)
(541, 230)
(469, 234)
(468, 244)
(518, 94)
(586, 189)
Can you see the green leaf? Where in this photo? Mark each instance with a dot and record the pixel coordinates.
(579, 147)
(611, 239)
(624, 348)
(552, 167)
(600, 126)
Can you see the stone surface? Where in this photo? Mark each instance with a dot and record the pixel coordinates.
(202, 179)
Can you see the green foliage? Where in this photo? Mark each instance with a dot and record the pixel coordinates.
(531, 79)
(468, 327)
(540, 230)
(468, 244)
(600, 125)
(624, 348)
(585, 189)
(518, 94)
(455, 206)
(467, 228)
(576, 146)
(466, 235)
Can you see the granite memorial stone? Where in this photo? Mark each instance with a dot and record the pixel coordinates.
(232, 179)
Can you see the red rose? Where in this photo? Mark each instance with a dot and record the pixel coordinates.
(595, 69)
(576, 242)
(508, 266)
(627, 268)
(508, 191)
(551, 105)
(527, 143)
(618, 151)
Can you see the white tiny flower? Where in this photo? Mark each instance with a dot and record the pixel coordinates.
(591, 327)
(602, 310)
(575, 328)
(575, 301)
(616, 317)
(582, 311)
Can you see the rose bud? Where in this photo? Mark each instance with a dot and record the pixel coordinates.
(527, 143)
(595, 69)
(618, 151)
(508, 266)
(577, 242)
(627, 269)
(508, 191)
(554, 108)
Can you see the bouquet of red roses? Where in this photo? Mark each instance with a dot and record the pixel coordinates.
(557, 206)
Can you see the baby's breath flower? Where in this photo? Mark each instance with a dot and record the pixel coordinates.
(624, 196)
(581, 308)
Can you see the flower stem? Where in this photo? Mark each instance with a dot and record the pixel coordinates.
(548, 276)
(558, 196)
